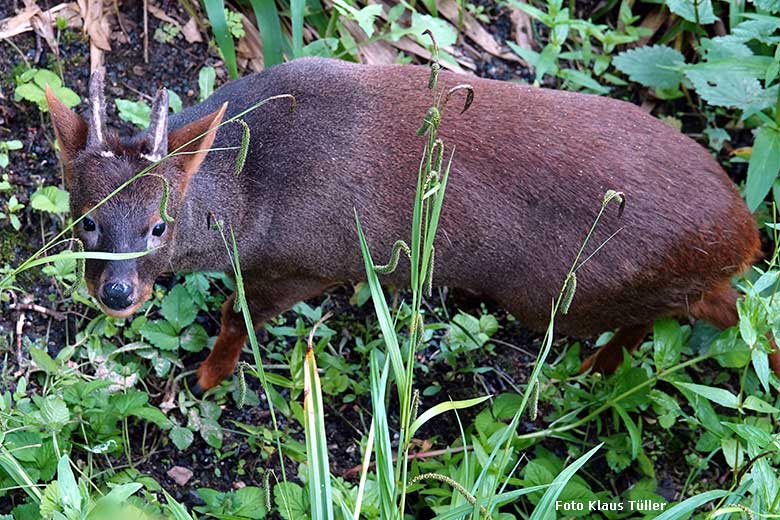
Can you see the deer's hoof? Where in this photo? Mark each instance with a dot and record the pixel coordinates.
(194, 386)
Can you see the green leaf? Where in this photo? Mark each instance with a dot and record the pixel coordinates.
(128, 403)
(43, 360)
(717, 395)
(181, 437)
(135, 112)
(194, 338)
(761, 366)
(250, 503)
(69, 489)
(444, 33)
(764, 166)
(161, 334)
(730, 85)
(652, 66)
(208, 75)
(50, 199)
(667, 343)
(758, 405)
(174, 102)
(633, 431)
(54, 413)
(697, 11)
(773, 6)
(178, 308)
(291, 501)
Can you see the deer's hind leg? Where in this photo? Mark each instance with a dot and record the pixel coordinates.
(266, 299)
(719, 307)
(608, 358)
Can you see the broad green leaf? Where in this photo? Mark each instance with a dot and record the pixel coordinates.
(764, 166)
(178, 308)
(667, 343)
(43, 360)
(194, 338)
(128, 403)
(69, 489)
(731, 85)
(135, 112)
(654, 66)
(161, 334)
(717, 395)
(773, 6)
(50, 199)
(181, 437)
(697, 11)
(291, 501)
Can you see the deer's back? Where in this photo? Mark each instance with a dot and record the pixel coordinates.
(529, 172)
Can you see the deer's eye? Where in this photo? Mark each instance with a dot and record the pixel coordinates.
(89, 225)
(159, 229)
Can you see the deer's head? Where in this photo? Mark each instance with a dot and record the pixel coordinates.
(97, 162)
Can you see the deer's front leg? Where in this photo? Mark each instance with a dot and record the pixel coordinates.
(265, 301)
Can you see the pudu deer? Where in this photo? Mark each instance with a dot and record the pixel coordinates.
(530, 169)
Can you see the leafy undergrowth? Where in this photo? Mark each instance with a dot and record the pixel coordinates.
(96, 418)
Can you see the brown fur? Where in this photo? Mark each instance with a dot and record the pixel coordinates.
(530, 169)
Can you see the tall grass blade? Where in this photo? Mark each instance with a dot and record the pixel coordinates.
(385, 475)
(296, 9)
(270, 31)
(444, 407)
(686, 507)
(382, 311)
(320, 492)
(215, 10)
(13, 469)
(364, 472)
(545, 509)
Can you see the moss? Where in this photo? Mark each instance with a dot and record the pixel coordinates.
(14, 248)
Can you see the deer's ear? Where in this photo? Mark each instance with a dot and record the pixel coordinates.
(193, 141)
(70, 129)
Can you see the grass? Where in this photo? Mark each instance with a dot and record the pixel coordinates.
(84, 425)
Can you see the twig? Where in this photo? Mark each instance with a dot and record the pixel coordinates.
(19, 331)
(146, 31)
(57, 315)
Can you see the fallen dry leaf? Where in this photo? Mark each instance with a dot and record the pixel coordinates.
(162, 15)
(180, 475)
(96, 23)
(23, 21)
(191, 31)
(522, 28)
(249, 49)
(474, 30)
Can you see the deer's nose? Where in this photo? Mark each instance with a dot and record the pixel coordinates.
(116, 295)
